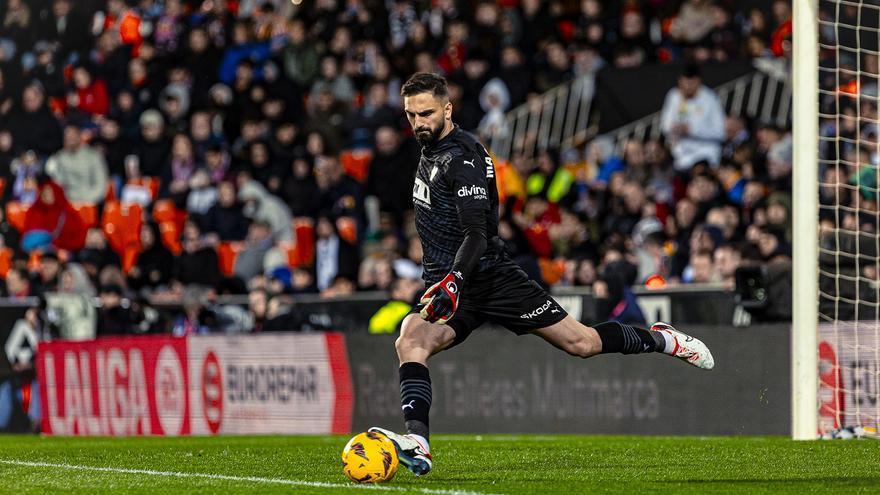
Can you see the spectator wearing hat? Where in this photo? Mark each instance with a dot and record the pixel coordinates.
(52, 220)
(692, 120)
(79, 168)
(260, 205)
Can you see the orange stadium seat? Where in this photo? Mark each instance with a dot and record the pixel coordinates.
(227, 252)
(305, 242)
(15, 213)
(122, 226)
(88, 212)
(289, 249)
(356, 163)
(164, 210)
(551, 269)
(171, 237)
(5, 261)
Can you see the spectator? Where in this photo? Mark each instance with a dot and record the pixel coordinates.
(52, 220)
(692, 121)
(46, 278)
(404, 294)
(251, 260)
(197, 318)
(226, 217)
(153, 148)
(700, 270)
(340, 195)
(113, 317)
(198, 263)
(300, 190)
(71, 309)
(727, 259)
(153, 266)
(391, 173)
(260, 205)
(334, 257)
(17, 284)
(90, 96)
(79, 169)
(35, 127)
(300, 55)
(96, 254)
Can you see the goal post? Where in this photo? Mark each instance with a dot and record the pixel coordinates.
(805, 242)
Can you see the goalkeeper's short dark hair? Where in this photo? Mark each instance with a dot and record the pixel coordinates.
(425, 82)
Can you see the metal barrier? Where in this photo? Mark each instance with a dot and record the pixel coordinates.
(764, 95)
(556, 119)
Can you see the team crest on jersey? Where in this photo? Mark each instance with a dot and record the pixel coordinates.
(444, 159)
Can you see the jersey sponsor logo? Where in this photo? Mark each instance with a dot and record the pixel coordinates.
(476, 191)
(539, 310)
(421, 193)
(490, 169)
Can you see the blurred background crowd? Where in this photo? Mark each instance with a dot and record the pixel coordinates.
(179, 150)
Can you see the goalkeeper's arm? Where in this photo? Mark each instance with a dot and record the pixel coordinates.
(441, 299)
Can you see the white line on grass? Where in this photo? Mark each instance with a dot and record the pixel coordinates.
(252, 479)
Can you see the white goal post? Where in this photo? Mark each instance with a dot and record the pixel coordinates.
(805, 243)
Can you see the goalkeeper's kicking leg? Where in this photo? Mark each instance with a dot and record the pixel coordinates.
(420, 339)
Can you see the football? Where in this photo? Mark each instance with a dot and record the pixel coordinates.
(369, 457)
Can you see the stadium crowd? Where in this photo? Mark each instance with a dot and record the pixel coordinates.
(169, 151)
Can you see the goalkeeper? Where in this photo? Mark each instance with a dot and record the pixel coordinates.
(472, 281)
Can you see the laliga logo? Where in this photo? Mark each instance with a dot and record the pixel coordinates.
(471, 191)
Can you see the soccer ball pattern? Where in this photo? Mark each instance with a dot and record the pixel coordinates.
(369, 457)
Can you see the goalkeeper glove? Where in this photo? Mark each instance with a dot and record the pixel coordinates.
(441, 299)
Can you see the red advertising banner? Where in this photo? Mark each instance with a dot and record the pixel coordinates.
(156, 385)
(114, 386)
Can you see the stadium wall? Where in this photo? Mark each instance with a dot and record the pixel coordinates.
(525, 386)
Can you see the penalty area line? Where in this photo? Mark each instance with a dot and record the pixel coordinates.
(248, 479)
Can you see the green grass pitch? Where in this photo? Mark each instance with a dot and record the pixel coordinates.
(489, 464)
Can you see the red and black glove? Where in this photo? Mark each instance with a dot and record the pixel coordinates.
(441, 299)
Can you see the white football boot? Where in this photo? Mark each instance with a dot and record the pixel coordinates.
(411, 452)
(689, 349)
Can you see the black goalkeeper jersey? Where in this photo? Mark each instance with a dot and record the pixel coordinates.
(454, 174)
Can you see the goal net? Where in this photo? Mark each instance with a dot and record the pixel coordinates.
(848, 215)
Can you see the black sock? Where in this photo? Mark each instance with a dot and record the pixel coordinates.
(415, 397)
(626, 339)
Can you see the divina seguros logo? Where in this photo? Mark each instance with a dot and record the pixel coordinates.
(477, 191)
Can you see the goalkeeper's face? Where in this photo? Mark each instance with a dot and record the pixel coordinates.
(428, 115)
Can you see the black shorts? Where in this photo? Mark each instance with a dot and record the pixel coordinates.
(506, 296)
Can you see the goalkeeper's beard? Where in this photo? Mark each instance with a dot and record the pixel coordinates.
(427, 136)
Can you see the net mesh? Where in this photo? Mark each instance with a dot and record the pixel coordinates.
(849, 307)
